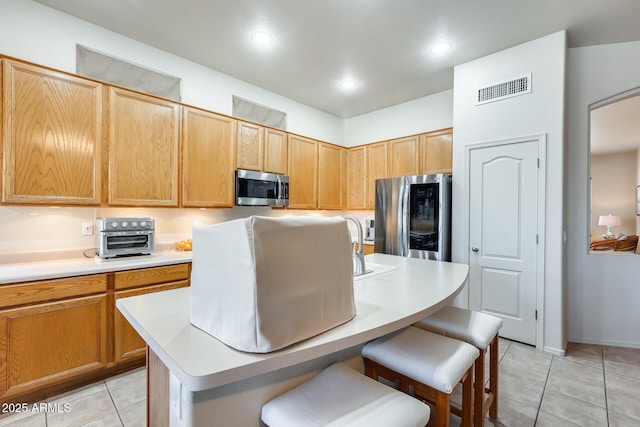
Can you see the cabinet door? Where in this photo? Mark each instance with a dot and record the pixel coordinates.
(208, 143)
(48, 344)
(52, 137)
(303, 172)
(331, 179)
(436, 153)
(275, 151)
(128, 344)
(250, 143)
(403, 156)
(376, 169)
(356, 178)
(143, 149)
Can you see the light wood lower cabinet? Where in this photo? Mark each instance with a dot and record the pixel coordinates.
(127, 343)
(58, 334)
(52, 342)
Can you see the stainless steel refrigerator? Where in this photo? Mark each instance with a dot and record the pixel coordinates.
(413, 216)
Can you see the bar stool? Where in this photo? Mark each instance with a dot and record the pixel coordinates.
(426, 365)
(481, 331)
(340, 396)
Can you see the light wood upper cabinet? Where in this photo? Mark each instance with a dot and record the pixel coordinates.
(436, 152)
(144, 134)
(208, 159)
(275, 151)
(303, 172)
(356, 178)
(331, 176)
(51, 138)
(403, 156)
(250, 142)
(376, 167)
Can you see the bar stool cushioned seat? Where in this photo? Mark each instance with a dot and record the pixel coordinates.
(341, 396)
(481, 331)
(429, 363)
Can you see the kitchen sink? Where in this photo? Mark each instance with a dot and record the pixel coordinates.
(373, 270)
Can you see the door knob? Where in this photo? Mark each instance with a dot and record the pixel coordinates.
(475, 249)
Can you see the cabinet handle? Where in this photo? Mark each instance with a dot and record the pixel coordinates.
(475, 249)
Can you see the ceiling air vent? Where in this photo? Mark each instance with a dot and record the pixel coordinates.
(503, 90)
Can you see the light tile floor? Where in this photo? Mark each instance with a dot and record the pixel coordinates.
(115, 402)
(592, 385)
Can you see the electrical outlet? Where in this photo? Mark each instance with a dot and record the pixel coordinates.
(87, 229)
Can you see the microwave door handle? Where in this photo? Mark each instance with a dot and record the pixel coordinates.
(278, 188)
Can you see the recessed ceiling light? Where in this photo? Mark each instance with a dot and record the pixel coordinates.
(262, 37)
(348, 84)
(439, 48)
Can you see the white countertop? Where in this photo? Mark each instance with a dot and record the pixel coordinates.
(41, 270)
(385, 303)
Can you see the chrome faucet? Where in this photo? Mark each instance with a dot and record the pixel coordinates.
(358, 254)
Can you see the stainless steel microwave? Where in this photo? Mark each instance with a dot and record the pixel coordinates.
(261, 189)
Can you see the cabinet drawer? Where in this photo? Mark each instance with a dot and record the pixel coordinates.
(48, 290)
(151, 276)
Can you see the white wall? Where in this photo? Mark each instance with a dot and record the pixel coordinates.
(417, 116)
(41, 233)
(540, 112)
(33, 32)
(42, 35)
(637, 184)
(613, 191)
(602, 289)
(36, 33)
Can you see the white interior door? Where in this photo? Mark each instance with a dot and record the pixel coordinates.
(503, 228)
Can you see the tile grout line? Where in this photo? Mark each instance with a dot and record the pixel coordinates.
(604, 380)
(114, 403)
(544, 389)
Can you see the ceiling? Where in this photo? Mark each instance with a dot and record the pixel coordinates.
(381, 44)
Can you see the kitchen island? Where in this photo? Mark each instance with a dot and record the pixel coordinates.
(196, 380)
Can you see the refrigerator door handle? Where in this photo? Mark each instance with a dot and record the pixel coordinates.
(404, 223)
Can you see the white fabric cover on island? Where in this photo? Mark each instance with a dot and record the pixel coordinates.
(260, 284)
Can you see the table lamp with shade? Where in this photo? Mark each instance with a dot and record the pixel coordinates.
(609, 221)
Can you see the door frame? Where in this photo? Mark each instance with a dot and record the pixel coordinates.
(541, 226)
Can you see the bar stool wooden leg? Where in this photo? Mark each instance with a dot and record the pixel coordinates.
(493, 377)
(443, 406)
(480, 330)
(478, 389)
(467, 396)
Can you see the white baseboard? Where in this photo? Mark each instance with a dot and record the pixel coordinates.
(554, 351)
(613, 343)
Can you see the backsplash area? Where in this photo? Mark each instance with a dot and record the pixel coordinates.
(44, 233)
